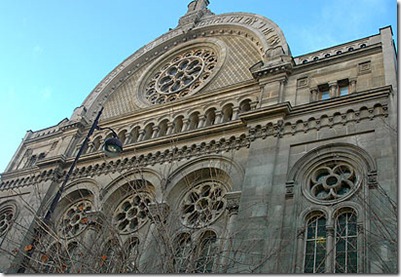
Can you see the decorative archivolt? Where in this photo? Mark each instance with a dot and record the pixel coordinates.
(262, 32)
(331, 173)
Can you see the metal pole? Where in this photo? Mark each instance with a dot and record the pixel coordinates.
(53, 205)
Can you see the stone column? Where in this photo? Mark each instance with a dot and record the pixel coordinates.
(300, 250)
(314, 94)
(333, 89)
(235, 113)
(155, 132)
(185, 125)
(329, 249)
(170, 128)
(141, 134)
(352, 85)
(218, 117)
(233, 199)
(202, 120)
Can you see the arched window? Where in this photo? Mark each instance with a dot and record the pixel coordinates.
(210, 117)
(163, 128)
(178, 124)
(148, 131)
(346, 243)
(193, 121)
(134, 135)
(183, 251)
(227, 112)
(315, 245)
(132, 253)
(207, 253)
(331, 245)
(245, 105)
(109, 259)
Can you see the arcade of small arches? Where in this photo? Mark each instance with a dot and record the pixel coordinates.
(164, 127)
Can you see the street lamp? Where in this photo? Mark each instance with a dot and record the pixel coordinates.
(112, 148)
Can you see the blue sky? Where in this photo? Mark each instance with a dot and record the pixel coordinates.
(54, 52)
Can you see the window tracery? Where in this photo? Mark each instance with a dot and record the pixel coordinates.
(132, 212)
(332, 181)
(7, 214)
(181, 75)
(203, 204)
(74, 220)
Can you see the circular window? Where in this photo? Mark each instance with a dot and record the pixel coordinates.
(180, 73)
(132, 212)
(75, 219)
(332, 182)
(203, 204)
(6, 218)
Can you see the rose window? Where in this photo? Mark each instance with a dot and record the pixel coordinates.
(331, 182)
(181, 76)
(132, 212)
(75, 219)
(6, 217)
(203, 204)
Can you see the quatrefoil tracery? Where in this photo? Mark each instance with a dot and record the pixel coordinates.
(331, 182)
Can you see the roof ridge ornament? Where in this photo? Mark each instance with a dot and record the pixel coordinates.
(196, 10)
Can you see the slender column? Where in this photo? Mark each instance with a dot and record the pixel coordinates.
(300, 249)
(141, 135)
(218, 117)
(155, 132)
(235, 113)
(329, 249)
(202, 120)
(333, 87)
(170, 128)
(314, 94)
(233, 199)
(352, 85)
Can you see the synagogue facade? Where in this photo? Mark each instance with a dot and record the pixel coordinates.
(237, 158)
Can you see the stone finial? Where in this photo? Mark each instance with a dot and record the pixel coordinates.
(196, 10)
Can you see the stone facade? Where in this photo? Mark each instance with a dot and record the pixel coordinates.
(236, 154)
